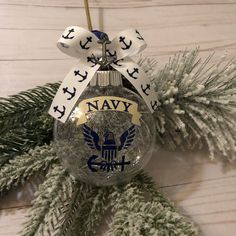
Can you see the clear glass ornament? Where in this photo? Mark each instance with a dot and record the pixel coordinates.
(108, 147)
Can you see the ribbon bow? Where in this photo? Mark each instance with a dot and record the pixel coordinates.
(84, 45)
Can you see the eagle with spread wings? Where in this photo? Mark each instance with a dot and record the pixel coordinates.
(109, 148)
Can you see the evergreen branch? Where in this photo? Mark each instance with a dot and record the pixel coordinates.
(45, 196)
(28, 105)
(23, 167)
(25, 137)
(135, 216)
(93, 211)
(24, 122)
(196, 104)
(67, 210)
(143, 181)
(74, 210)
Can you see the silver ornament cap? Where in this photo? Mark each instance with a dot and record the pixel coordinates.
(106, 78)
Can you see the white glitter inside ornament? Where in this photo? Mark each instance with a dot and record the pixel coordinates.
(106, 141)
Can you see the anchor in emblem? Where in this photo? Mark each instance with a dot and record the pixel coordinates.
(126, 46)
(106, 166)
(84, 77)
(69, 32)
(84, 46)
(131, 74)
(72, 94)
(108, 149)
(62, 113)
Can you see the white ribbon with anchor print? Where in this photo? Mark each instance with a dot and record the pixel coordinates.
(83, 44)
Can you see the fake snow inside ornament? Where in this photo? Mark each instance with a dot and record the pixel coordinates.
(108, 131)
(109, 136)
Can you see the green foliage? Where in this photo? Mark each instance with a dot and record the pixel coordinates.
(134, 215)
(196, 104)
(25, 137)
(17, 109)
(20, 169)
(49, 192)
(66, 207)
(24, 122)
(92, 213)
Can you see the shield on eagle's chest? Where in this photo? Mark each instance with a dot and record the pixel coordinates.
(109, 147)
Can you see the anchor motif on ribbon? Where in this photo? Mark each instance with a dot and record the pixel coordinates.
(148, 86)
(114, 54)
(154, 105)
(127, 46)
(83, 46)
(62, 113)
(131, 74)
(72, 94)
(117, 62)
(93, 60)
(67, 36)
(108, 149)
(84, 77)
(139, 35)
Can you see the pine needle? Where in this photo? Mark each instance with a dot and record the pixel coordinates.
(18, 109)
(25, 137)
(133, 215)
(20, 169)
(45, 196)
(197, 100)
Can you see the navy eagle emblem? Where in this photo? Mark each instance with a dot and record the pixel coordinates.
(108, 148)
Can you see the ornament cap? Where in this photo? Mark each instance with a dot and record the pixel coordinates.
(106, 78)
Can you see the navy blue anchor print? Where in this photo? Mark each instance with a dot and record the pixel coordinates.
(139, 35)
(148, 87)
(68, 35)
(61, 112)
(154, 105)
(93, 60)
(72, 94)
(84, 46)
(132, 74)
(109, 149)
(84, 77)
(126, 46)
(117, 62)
(114, 54)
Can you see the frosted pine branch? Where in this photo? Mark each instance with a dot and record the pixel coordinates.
(197, 102)
(94, 215)
(26, 105)
(45, 196)
(135, 216)
(66, 210)
(20, 169)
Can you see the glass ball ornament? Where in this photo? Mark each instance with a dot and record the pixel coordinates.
(110, 134)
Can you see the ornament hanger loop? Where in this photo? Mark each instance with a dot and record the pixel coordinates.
(89, 22)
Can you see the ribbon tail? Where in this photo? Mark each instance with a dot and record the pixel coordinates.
(70, 90)
(139, 79)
